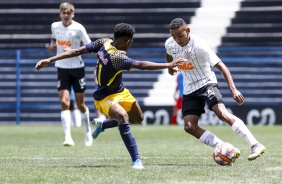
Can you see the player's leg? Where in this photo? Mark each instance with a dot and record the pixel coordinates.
(215, 103)
(127, 101)
(75, 112)
(193, 105)
(66, 116)
(64, 87)
(174, 114)
(103, 107)
(118, 113)
(79, 97)
(241, 129)
(135, 114)
(79, 86)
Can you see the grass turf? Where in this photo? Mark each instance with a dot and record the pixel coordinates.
(34, 154)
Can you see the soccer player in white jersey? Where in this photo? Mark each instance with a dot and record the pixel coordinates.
(68, 34)
(200, 87)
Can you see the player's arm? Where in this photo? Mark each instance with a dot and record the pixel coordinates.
(169, 59)
(238, 97)
(68, 54)
(148, 65)
(52, 45)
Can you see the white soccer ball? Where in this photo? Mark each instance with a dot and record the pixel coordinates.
(224, 154)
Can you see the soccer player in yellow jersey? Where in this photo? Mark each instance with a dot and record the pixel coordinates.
(111, 97)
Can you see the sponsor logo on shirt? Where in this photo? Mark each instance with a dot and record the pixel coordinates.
(101, 57)
(64, 43)
(186, 66)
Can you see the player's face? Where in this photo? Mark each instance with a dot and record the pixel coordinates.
(180, 35)
(66, 16)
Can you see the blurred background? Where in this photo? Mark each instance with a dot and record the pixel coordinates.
(246, 35)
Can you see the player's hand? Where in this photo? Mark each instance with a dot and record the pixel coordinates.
(42, 63)
(238, 97)
(177, 62)
(50, 47)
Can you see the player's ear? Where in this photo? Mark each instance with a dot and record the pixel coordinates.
(187, 30)
(128, 42)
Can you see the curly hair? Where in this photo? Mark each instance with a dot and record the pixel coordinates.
(176, 23)
(123, 30)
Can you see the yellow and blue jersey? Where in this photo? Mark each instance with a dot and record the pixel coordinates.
(111, 62)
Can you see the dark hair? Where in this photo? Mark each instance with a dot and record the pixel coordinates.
(123, 30)
(177, 23)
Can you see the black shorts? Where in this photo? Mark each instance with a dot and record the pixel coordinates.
(71, 77)
(194, 103)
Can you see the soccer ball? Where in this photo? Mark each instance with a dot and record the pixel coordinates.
(224, 154)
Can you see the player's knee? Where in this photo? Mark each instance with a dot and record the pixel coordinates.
(189, 128)
(222, 115)
(65, 103)
(121, 117)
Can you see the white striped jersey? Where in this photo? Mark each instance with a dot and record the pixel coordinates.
(197, 70)
(70, 36)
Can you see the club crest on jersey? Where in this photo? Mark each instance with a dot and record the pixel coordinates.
(188, 55)
(101, 57)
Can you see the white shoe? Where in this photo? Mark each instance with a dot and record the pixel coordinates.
(88, 138)
(137, 164)
(257, 150)
(68, 142)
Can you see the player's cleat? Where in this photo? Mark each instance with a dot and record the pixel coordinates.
(97, 128)
(88, 139)
(257, 150)
(137, 164)
(68, 142)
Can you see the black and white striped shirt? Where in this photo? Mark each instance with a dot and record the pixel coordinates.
(70, 36)
(197, 70)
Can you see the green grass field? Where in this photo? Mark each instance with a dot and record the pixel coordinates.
(34, 154)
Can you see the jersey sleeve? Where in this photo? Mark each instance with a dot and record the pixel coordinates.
(84, 36)
(210, 56)
(53, 31)
(167, 43)
(122, 62)
(95, 46)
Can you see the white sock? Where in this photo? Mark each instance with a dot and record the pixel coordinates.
(240, 128)
(210, 139)
(85, 119)
(66, 122)
(77, 118)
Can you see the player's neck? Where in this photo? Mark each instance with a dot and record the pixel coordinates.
(67, 24)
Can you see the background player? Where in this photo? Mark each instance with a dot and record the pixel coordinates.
(67, 34)
(111, 97)
(178, 97)
(200, 86)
